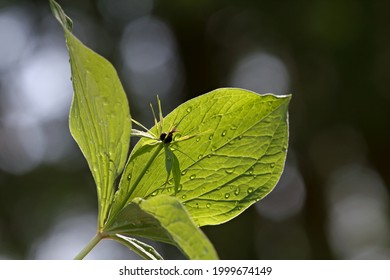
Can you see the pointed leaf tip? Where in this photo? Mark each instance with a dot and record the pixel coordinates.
(62, 18)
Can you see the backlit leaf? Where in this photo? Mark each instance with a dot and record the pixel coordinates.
(234, 156)
(99, 117)
(163, 218)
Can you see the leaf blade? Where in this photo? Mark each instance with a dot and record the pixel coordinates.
(144, 250)
(163, 218)
(234, 157)
(99, 117)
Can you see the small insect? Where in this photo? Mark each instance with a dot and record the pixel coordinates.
(166, 139)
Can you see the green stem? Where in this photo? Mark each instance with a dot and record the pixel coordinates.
(91, 244)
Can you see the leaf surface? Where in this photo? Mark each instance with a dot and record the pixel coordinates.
(99, 116)
(233, 155)
(163, 218)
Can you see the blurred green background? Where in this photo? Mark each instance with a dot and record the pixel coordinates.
(333, 56)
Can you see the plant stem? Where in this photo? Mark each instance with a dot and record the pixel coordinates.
(91, 244)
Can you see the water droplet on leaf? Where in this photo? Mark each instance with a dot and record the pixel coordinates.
(192, 177)
(250, 171)
(229, 170)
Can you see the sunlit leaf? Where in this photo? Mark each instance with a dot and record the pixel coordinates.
(163, 218)
(234, 155)
(99, 117)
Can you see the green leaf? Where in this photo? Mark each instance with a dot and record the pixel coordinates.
(234, 154)
(63, 19)
(144, 250)
(163, 218)
(99, 117)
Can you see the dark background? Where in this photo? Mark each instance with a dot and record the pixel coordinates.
(333, 56)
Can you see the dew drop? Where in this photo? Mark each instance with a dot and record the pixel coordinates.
(184, 172)
(240, 137)
(229, 170)
(224, 133)
(237, 191)
(227, 195)
(180, 188)
(183, 196)
(208, 205)
(209, 156)
(197, 139)
(189, 109)
(233, 127)
(200, 156)
(250, 171)
(211, 137)
(250, 190)
(155, 193)
(192, 177)
(129, 177)
(272, 165)
(213, 148)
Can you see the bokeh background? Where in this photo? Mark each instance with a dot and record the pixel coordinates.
(333, 56)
